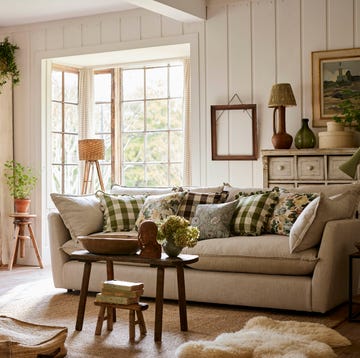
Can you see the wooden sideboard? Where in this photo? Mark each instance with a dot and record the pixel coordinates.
(299, 167)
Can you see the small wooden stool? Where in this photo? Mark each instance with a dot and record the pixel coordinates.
(21, 222)
(109, 307)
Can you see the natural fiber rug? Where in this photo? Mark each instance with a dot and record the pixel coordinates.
(266, 337)
(38, 302)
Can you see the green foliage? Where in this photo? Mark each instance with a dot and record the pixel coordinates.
(8, 67)
(180, 230)
(350, 110)
(20, 179)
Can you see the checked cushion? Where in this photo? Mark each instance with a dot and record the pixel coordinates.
(120, 211)
(252, 212)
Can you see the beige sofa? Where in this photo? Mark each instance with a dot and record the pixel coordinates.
(254, 271)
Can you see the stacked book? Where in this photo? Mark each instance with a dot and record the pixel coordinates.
(120, 292)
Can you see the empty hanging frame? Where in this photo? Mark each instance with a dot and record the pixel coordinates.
(234, 132)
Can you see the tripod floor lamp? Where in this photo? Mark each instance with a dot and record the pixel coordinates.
(91, 150)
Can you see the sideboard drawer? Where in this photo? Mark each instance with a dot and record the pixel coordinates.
(311, 168)
(333, 167)
(281, 168)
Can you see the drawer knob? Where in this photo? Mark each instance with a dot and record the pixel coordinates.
(310, 167)
(280, 167)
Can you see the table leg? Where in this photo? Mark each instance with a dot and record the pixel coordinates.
(110, 276)
(159, 302)
(36, 249)
(15, 249)
(83, 296)
(182, 297)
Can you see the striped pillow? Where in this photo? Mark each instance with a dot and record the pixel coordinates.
(193, 199)
(252, 213)
(120, 211)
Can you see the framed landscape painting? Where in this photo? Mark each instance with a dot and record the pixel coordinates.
(335, 78)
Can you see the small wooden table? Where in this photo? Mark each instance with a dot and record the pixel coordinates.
(161, 263)
(21, 222)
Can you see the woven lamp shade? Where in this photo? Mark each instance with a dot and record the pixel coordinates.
(282, 95)
(91, 149)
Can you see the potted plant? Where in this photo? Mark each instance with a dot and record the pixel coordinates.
(8, 67)
(175, 233)
(21, 181)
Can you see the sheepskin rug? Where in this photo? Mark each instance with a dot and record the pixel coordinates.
(265, 337)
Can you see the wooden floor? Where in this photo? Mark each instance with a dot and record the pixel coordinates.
(20, 275)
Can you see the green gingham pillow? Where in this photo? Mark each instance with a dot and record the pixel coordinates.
(120, 211)
(252, 212)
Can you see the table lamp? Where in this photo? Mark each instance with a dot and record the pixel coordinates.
(281, 96)
(350, 166)
(91, 150)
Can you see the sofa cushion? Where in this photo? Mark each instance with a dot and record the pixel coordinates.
(159, 207)
(287, 210)
(308, 228)
(193, 199)
(265, 254)
(252, 212)
(213, 220)
(120, 211)
(124, 190)
(82, 214)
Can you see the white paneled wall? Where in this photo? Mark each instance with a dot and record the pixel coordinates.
(244, 47)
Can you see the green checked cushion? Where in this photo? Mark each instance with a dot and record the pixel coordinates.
(252, 212)
(120, 211)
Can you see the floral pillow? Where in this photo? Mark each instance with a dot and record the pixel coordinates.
(287, 210)
(159, 207)
(213, 220)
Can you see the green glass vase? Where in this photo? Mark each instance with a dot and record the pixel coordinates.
(305, 137)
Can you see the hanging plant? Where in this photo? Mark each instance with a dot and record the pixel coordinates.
(8, 67)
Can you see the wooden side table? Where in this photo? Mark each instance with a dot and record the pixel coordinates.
(22, 221)
(353, 316)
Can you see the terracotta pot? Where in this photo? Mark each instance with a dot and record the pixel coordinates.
(22, 205)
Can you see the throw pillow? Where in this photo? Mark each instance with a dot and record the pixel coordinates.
(308, 228)
(287, 210)
(117, 189)
(193, 199)
(81, 214)
(159, 207)
(252, 212)
(213, 220)
(120, 211)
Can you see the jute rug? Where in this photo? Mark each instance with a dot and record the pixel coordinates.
(38, 302)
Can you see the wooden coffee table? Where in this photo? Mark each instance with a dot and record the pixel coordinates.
(161, 264)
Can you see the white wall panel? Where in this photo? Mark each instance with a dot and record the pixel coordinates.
(91, 33)
(72, 35)
(216, 84)
(37, 41)
(110, 29)
(170, 27)
(54, 37)
(356, 23)
(150, 26)
(130, 28)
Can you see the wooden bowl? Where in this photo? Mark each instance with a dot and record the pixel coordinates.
(124, 245)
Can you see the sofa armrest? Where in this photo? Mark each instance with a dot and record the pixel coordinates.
(331, 275)
(58, 235)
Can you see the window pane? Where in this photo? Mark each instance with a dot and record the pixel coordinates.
(157, 147)
(156, 175)
(107, 144)
(56, 146)
(56, 179)
(176, 81)
(71, 87)
(156, 83)
(133, 84)
(133, 175)
(176, 174)
(102, 87)
(71, 148)
(56, 117)
(56, 85)
(156, 115)
(71, 118)
(106, 176)
(133, 147)
(175, 113)
(102, 117)
(71, 179)
(133, 116)
(176, 146)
